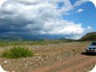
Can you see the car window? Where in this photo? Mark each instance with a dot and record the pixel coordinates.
(93, 43)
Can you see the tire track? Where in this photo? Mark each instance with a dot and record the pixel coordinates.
(69, 64)
(59, 64)
(80, 66)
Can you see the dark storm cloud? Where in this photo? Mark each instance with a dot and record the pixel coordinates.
(37, 17)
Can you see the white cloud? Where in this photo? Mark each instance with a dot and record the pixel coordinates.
(62, 27)
(2, 1)
(38, 17)
(79, 2)
(89, 27)
(80, 10)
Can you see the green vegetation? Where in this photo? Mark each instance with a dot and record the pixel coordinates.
(17, 52)
(89, 37)
(44, 43)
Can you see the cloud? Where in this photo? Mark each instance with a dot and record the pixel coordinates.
(38, 17)
(2, 1)
(80, 10)
(79, 2)
(89, 27)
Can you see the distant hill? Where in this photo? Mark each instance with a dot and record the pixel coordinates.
(66, 40)
(89, 37)
(4, 37)
(10, 38)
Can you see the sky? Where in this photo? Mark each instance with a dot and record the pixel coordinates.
(47, 18)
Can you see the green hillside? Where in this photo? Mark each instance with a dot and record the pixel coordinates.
(89, 37)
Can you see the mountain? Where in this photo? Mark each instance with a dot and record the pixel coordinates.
(10, 38)
(4, 37)
(89, 37)
(66, 40)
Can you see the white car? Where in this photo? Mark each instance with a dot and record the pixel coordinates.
(91, 48)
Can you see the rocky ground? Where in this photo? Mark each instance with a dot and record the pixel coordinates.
(64, 57)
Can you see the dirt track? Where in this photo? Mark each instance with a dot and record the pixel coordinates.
(79, 63)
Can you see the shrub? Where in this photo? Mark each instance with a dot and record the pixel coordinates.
(17, 52)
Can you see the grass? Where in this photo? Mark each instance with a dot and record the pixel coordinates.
(43, 43)
(17, 52)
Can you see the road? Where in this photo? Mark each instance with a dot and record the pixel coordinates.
(79, 63)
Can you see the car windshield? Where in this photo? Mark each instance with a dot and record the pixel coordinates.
(93, 43)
